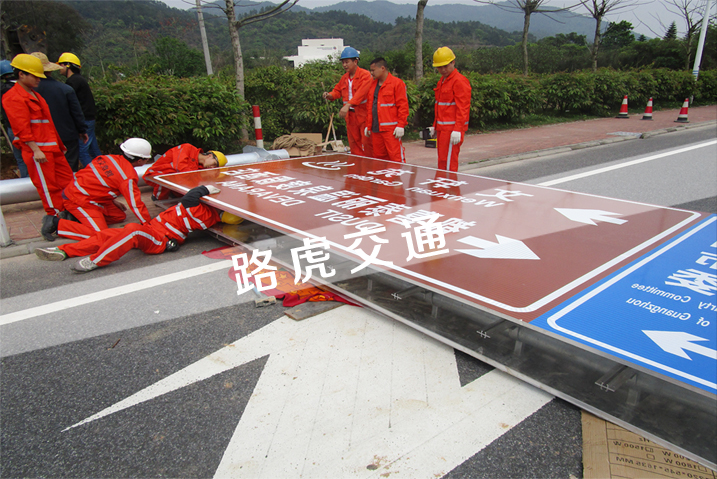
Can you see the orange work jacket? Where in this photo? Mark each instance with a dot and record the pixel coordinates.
(179, 221)
(184, 157)
(359, 88)
(453, 103)
(103, 180)
(30, 120)
(392, 104)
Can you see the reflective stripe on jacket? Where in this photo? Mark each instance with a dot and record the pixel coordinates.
(104, 180)
(179, 221)
(392, 104)
(30, 120)
(453, 103)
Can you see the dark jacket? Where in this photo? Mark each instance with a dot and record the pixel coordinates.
(84, 94)
(64, 108)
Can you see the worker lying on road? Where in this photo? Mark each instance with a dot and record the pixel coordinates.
(164, 233)
(91, 198)
(184, 157)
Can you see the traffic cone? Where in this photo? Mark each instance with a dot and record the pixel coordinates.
(623, 109)
(648, 111)
(682, 117)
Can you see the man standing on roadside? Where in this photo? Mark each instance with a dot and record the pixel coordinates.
(387, 113)
(70, 67)
(65, 110)
(36, 136)
(352, 88)
(452, 109)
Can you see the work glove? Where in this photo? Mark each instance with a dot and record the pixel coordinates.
(431, 132)
(398, 132)
(455, 137)
(212, 189)
(366, 132)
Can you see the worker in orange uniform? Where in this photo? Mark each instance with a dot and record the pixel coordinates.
(184, 157)
(387, 113)
(92, 197)
(36, 136)
(452, 109)
(163, 234)
(353, 88)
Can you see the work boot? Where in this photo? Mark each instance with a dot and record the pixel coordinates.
(49, 226)
(51, 254)
(66, 215)
(172, 246)
(85, 265)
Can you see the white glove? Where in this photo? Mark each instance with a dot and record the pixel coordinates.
(455, 137)
(431, 132)
(366, 132)
(398, 132)
(212, 189)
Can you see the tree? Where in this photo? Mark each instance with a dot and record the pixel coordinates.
(177, 59)
(598, 9)
(671, 33)
(687, 10)
(236, 23)
(419, 39)
(618, 35)
(63, 25)
(528, 7)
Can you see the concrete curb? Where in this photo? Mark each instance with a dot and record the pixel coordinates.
(467, 168)
(28, 246)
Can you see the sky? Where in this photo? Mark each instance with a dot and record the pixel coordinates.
(648, 17)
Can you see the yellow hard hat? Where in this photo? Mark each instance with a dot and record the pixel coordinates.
(443, 56)
(221, 159)
(28, 64)
(230, 219)
(70, 58)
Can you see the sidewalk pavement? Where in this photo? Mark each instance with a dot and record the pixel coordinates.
(24, 220)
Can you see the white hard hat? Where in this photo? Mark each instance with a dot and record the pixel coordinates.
(137, 147)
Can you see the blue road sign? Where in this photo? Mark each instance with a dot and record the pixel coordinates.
(659, 312)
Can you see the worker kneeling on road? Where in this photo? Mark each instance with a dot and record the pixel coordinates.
(92, 197)
(387, 113)
(164, 233)
(353, 88)
(184, 157)
(452, 109)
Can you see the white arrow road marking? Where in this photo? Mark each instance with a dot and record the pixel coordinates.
(505, 248)
(676, 342)
(349, 389)
(589, 216)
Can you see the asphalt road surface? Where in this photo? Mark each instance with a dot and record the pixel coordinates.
(155, 367)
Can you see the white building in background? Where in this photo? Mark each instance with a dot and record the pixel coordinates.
(313, 49)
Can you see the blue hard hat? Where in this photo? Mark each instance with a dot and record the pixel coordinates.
(349, 53)
(5, 67)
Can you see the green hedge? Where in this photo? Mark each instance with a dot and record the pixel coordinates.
(168, 111)
(208, 113)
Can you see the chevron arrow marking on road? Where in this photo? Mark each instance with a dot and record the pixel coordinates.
(590, 216)
(677, 342)
(505, 248)
(348, 389)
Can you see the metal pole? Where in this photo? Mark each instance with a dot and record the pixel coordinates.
(701, 42)
(4, 235)
(205, 45)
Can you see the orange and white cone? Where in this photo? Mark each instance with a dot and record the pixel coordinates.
(682, 117)
(623, 109)
(648, 111)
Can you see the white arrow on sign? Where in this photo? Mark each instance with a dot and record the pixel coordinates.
(590, 216)
(505, 248)
(351, 394)
(677, 342)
